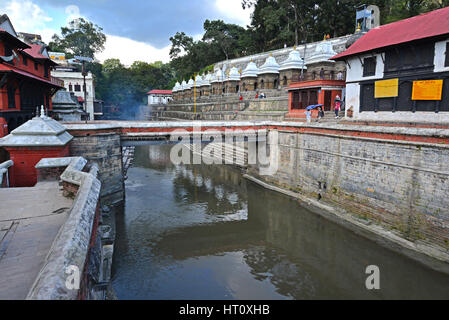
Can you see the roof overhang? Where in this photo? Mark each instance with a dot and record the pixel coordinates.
(5, 69)
(6, 36)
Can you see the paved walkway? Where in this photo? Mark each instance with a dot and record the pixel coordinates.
(30, 219)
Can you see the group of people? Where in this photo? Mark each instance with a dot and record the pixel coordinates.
(260, 96)
(337, 109)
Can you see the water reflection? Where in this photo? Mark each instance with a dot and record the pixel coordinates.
(203, 232)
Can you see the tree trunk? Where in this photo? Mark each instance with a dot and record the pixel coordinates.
(296, 24)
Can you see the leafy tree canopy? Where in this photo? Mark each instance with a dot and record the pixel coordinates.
(79, 38)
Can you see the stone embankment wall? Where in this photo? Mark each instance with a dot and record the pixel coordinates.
(274, 107)
(106, 150)
(395, 178)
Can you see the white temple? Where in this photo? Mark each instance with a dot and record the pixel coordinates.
(323, 52)
(294, 61)
(270, 66)
(251, 71)
(234, 74)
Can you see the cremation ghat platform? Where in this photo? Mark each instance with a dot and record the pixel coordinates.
(30, 219)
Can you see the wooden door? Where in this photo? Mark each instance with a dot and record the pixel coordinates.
(327, 100)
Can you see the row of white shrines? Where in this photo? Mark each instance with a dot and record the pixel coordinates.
(270, 75)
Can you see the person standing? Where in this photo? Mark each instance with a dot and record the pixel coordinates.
(340, 76)
(337, 106)
(320, 113)
(308, 115)
(322, 74)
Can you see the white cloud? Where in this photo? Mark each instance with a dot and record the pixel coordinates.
(128, 51)
(73, 12)
(25, 15)
(232, 10)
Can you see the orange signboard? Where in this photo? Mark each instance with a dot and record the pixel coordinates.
(427, 90)
(386, 88)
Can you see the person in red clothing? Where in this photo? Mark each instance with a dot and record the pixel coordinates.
(337, 106)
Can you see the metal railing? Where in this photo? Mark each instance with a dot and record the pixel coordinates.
(4, 172)
(57, 81)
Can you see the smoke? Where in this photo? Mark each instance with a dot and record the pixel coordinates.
(136, 112)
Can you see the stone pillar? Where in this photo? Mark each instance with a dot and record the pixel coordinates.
(289, 76)
(248, 84)
(268, 81)
(232, 86)
(40, 137)
(205, 91)
(216, 89)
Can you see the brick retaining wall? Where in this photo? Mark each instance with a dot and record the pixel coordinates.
(401, 185)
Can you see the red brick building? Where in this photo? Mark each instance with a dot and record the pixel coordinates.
(25, 80)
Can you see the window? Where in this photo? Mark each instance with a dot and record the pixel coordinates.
(369, 67)
(446, 63)
(36, 66)
(11, 97)
(296, 100)
(410, 60)
(77, 88)
(304, 98)
(25, 60)
(70, 87)
(46, 71)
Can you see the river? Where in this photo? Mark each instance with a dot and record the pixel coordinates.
(204, 232)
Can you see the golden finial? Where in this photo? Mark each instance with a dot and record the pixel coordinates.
(359, 28)
(294, 48)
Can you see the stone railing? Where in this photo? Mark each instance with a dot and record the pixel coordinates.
(69, 253)
(326, 75)
(4, 174)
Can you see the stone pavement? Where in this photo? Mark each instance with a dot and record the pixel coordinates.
(30, 219)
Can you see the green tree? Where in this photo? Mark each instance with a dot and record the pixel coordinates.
(228, 37)
(81, 38)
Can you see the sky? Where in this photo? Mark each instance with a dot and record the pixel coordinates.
(135, 29)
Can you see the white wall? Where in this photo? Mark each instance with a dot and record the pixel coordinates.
(440, 56)
(158, 99)
(353, 97)
(355, 72)
(76, 78)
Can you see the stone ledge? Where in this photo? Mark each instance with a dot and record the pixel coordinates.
(71, 246)
(4, 170)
